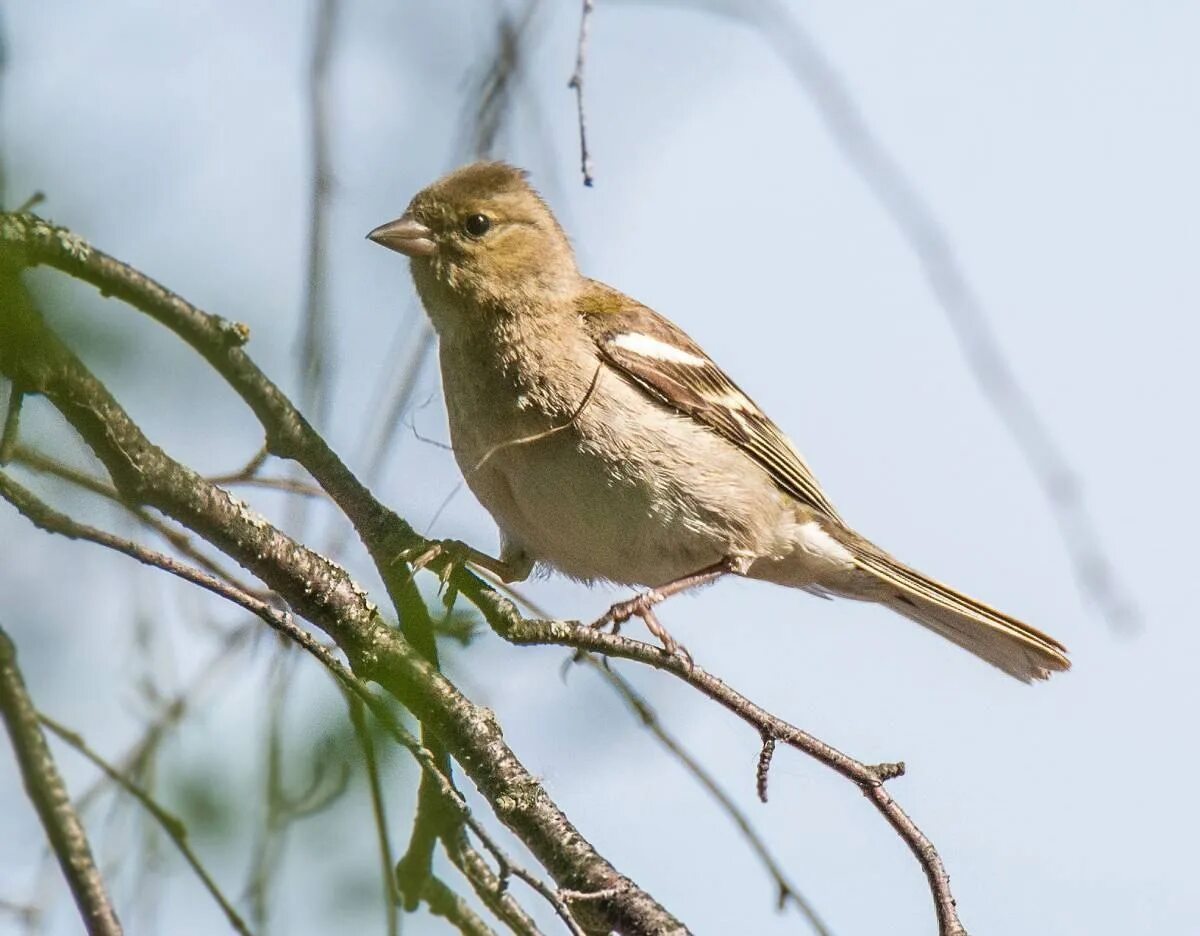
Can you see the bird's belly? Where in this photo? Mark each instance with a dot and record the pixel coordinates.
(644, 514)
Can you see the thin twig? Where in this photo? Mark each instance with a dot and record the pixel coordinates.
(287, 485)
(39, 462)
(276, 816)
(315, 339)
(415, 339)
(133, 762)
(576, 83)
(171, 824)
(52, 521)
(505, 620)
(491, 97)
(491, 888)
(366, 744)
(785, 890)
(315, 352)
(996, 376)
(49, 796)
(545, 433)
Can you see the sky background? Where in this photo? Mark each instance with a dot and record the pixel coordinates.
(1057, 144)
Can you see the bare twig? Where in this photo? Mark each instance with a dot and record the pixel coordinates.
(31, 202)
(491, 888)
(418, 348)
(785, 890)
(576, 83)
(171, 824)
(491, 98)
(287, 485)
(366, 744)
(277, 813)
(503, 617)
(134, 761)
(52, 521)
(39, 462)
(315, 337)
(49, 796)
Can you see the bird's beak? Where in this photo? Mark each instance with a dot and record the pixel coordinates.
(405, 235)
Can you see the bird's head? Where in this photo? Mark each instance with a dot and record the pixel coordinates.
(483, 239)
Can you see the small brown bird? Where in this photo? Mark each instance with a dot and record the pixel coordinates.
(607, 445)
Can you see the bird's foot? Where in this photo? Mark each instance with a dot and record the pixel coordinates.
(458, 554)
(454, 553)
(642, 606)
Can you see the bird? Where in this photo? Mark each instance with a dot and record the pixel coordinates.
(608, 446)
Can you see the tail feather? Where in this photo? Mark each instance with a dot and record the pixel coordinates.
(1008, 644)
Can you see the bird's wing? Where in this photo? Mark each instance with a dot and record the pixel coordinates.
(665, 363)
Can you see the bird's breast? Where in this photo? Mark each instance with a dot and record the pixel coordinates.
(587, 474)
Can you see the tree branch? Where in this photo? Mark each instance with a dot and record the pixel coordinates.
(318, 589)
(645, 713)
(786, 891)
(323, 593)
(49, 797)
(509, 624)
(444, 902)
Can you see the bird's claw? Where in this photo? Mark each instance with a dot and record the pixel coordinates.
(457, 554)
(642, 606)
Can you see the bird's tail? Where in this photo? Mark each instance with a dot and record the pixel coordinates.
(991, 635)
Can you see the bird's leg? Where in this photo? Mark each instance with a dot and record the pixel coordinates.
(641, 605)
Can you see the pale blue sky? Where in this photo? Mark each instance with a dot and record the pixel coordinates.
(1057, 143)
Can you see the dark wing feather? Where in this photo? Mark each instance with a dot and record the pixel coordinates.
(689, 381)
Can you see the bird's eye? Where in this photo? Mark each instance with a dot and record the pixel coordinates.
(477, 224)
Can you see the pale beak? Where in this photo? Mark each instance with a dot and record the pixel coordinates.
(405, 235)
